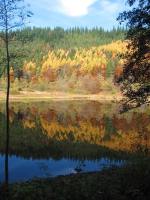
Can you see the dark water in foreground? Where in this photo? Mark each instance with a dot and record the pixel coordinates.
(59, 138)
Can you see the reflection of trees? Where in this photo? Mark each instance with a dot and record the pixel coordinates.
(50, 128)
(7, 143)
(5, 134)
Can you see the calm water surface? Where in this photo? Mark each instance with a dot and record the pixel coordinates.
(60, 138)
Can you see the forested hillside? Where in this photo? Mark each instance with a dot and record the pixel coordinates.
(70, 38)
(74, 60)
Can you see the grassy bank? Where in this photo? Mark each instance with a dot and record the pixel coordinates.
(127, 183)
(37, 95)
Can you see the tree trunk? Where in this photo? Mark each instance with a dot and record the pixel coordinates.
(7, 112)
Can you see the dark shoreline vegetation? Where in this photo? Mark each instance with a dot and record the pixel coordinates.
(129, 182)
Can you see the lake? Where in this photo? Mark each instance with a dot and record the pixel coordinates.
(54, 138)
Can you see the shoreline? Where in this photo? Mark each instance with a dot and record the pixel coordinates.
(60, 96)
(114, 183)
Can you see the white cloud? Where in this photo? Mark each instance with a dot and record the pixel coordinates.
(75, 8)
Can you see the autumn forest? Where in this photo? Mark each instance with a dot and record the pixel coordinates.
(75, 100)
(64, 60)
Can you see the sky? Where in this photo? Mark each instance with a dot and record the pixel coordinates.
(76, 13)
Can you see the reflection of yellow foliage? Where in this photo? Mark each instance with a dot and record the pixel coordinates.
(126, 139)
(130, 142)
(28, 124)
(127, 135)
(84, 132)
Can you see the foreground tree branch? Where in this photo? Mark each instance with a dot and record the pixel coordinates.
(135, 79)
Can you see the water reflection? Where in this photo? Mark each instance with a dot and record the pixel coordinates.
(22, 169)
(56, 138)
(5, 168)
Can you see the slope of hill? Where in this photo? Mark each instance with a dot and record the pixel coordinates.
(75, 61)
